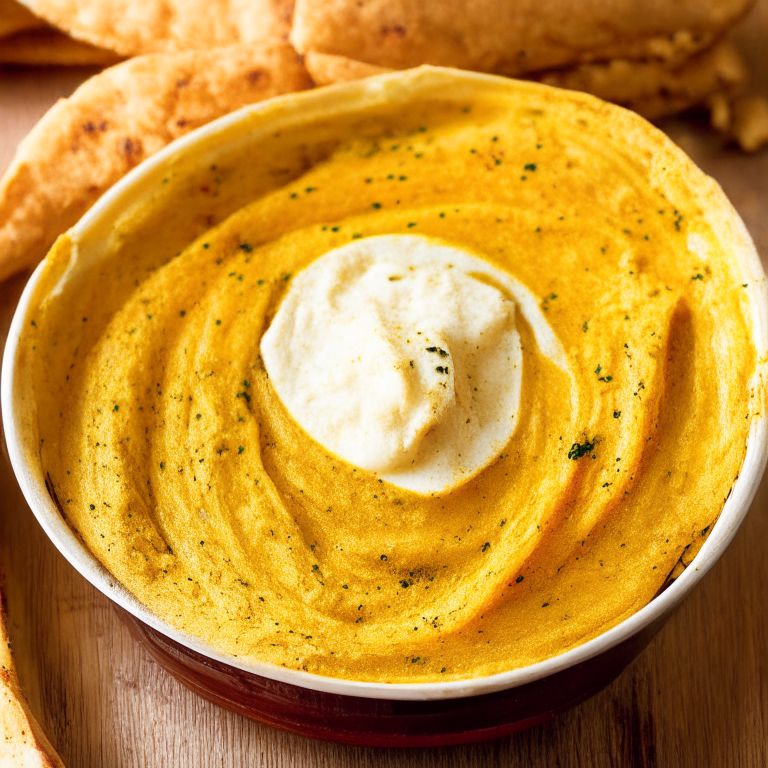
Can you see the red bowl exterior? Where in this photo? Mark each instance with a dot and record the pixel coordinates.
(380, 722)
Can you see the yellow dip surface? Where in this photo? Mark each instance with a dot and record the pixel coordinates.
(169, 453)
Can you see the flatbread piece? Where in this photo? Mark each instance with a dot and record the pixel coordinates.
(14, 18)
(327, 69)
(652, 88)
(49, 47)
(22, 741)
(510, 38)
(86, 143)
(132, 28)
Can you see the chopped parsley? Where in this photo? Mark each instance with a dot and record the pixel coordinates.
(581, 449)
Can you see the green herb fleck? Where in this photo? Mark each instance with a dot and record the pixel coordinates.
(578, 449)
(546, 300)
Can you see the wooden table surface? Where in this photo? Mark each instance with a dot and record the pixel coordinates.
(698, 696)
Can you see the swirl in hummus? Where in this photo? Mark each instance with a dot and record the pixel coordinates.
(196, 480)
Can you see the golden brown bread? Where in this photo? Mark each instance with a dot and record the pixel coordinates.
(22, 741)
(46, 46)
(510, 38)
(86, 143)
(16, 18)
(652, 88)
(131, 28)
(327, 69)
(750, 122)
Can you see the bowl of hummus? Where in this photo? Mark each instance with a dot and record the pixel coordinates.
(403, 411)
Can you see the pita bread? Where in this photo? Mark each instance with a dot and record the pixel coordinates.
(22, 741)
(510, 38)
(132, 28)
(16, 18)
(750, 122)
(51, 47)
(654, 89)
(86, 143)
(720, 112)
(327, 69)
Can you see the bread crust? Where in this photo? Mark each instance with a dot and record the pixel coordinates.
(510, 38)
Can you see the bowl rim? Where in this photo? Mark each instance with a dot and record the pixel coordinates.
(33, 486)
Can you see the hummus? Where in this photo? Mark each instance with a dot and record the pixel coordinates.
(191, 475)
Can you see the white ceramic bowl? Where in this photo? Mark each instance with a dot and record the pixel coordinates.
(249, 125)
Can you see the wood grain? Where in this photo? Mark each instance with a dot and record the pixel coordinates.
(697, 697)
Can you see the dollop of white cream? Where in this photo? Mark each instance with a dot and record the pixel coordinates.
(399, 354)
